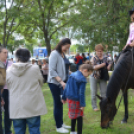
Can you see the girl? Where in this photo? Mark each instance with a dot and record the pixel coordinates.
(130, 40)
(74, 93)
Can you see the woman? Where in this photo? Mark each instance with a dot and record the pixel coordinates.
(45, 69)
(100, 75)
(27, 103)
(58, 75)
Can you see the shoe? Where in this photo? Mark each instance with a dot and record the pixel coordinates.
(73, 132)
(62, 130)
(96, 109)
(65, 126)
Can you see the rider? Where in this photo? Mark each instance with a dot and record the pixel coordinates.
(130, 40)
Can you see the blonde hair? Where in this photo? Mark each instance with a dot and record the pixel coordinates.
(87, 65)
(99, 47)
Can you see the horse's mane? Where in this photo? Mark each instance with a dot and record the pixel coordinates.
(120, 74)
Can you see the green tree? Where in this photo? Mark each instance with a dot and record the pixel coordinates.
(10, 19)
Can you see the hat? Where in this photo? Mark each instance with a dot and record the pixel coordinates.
(131, 11)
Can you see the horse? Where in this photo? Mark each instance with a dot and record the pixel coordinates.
(122, 78)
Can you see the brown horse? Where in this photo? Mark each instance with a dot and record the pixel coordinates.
(122, 78)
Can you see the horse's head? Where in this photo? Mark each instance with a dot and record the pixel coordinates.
(108, 111)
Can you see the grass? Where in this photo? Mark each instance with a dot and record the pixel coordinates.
(91, 119)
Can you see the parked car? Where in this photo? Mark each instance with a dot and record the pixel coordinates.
(71, 59)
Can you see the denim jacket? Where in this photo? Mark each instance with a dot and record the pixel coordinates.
(75, 88)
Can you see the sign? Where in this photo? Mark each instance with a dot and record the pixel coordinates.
(41, 52)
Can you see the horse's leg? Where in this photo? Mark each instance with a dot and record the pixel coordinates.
(126, 107)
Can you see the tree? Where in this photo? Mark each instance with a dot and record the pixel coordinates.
(47, 18)
(105, 22)
(10, 19)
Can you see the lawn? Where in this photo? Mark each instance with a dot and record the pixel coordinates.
(91, 118)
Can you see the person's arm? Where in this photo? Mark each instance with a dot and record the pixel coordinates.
(64, 96)
(109, 67)
(96, 67)
(52, 69)
(128, 40)
(60, 81)
(82, 89)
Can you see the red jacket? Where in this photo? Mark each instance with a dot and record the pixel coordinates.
(78, 60)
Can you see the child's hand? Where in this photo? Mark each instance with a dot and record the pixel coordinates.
(82, 108)
(63, 101)
(132, 44)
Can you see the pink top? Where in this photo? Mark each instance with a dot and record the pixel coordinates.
(131, 34)
(8, 65)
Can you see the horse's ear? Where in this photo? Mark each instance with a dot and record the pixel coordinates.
(99, 96)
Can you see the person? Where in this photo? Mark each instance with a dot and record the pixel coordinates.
(84, 57)
(26, 99)
(100, 75)
(88, 56)
(74, 94)
(34, 62)
(78, 60)
(115, 60)
(130, 40)
(45, 69)
(40, 64)
(5, 96)
(3, 58)
(58, 75)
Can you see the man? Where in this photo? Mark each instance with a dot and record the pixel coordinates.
(5, 94)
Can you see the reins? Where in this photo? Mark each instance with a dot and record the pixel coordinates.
(127, 80)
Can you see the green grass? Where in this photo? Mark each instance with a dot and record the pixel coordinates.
(91, 119)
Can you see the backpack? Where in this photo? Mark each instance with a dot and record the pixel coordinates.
(2, 74)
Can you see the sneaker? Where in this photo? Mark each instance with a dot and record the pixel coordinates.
(62, 130)
(73, 132)
(65, 126)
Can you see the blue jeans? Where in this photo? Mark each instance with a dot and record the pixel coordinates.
(33, 124)
(58, 106)
(7, 121)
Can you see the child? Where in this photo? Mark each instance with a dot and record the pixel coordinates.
(74, 93)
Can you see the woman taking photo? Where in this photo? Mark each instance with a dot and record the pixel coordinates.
(58, 75)
(100, 75)
(24, 82)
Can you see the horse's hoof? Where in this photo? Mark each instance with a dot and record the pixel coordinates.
(123, 122)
